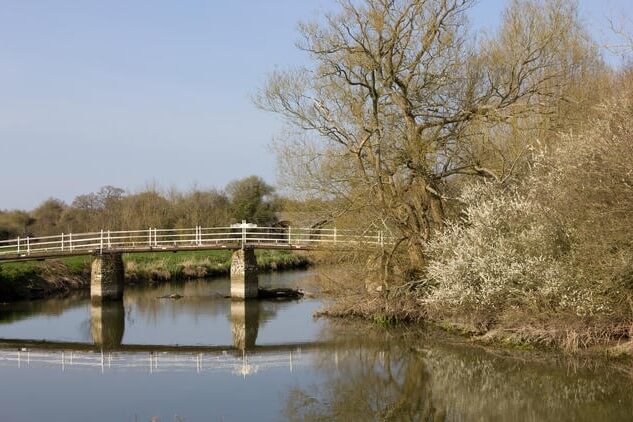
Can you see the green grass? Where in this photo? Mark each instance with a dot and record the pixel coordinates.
(74, 265)
(200, 264)
(18, 271)
(173, 260)
(150, 266)
(23, 280)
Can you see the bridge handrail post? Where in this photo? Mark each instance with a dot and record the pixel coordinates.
(70, 241)
(18, 245)
(28, 245)
(243, 233)
(335, 237)
(149, 237)
(290, 235)
(109, 241)
(101, 242)
(62, 242)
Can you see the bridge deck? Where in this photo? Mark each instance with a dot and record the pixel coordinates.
(193, 239)
(40, 256)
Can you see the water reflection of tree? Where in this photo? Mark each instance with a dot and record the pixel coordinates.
(17, 311)
(387, 380)
(366, 383)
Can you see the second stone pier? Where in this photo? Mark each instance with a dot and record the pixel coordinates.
(107, 276)
(244, 278)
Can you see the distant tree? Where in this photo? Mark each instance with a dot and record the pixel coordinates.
(111, 208)
(47, 217)
(146, 209)
(87, 201)
(14, 224)
(204, 208)
(253, 200)
(110, 199)
(108, 195)
(96, 210)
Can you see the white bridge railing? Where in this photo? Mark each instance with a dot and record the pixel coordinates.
(190, 238)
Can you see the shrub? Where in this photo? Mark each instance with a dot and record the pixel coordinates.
(559, 240)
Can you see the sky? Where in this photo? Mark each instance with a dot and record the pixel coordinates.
(153, 92)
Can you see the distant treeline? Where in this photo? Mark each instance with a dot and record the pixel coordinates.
(113, 208)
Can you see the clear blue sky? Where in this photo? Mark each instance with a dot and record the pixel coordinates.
(126, 92)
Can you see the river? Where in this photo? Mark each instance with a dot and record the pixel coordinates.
(206, 358)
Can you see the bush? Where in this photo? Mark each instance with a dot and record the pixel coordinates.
(505, 249)
(560, 240)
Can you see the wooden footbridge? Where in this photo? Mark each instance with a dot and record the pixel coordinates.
(107, 246)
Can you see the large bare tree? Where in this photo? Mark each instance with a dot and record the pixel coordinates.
(400, 99)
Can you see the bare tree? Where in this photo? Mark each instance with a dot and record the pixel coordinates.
(624, 46)
(399, 101)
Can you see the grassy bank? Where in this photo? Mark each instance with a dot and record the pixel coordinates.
(31, 280)
(201, 264)
(517, 328)
(549, 332)
(590, 336)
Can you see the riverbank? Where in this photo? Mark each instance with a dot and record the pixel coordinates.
(517, 328)
(567, 333)
(35, 280)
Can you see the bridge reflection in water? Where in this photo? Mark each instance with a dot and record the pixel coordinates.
(244, 323)
(151, 362)
(109, 353)
(107, 323)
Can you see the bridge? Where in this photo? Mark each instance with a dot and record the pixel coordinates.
(107, 247)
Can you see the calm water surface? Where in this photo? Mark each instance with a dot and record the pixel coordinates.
(206, 358)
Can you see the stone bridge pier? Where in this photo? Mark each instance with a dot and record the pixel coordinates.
(244, 278)
(106, 277)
